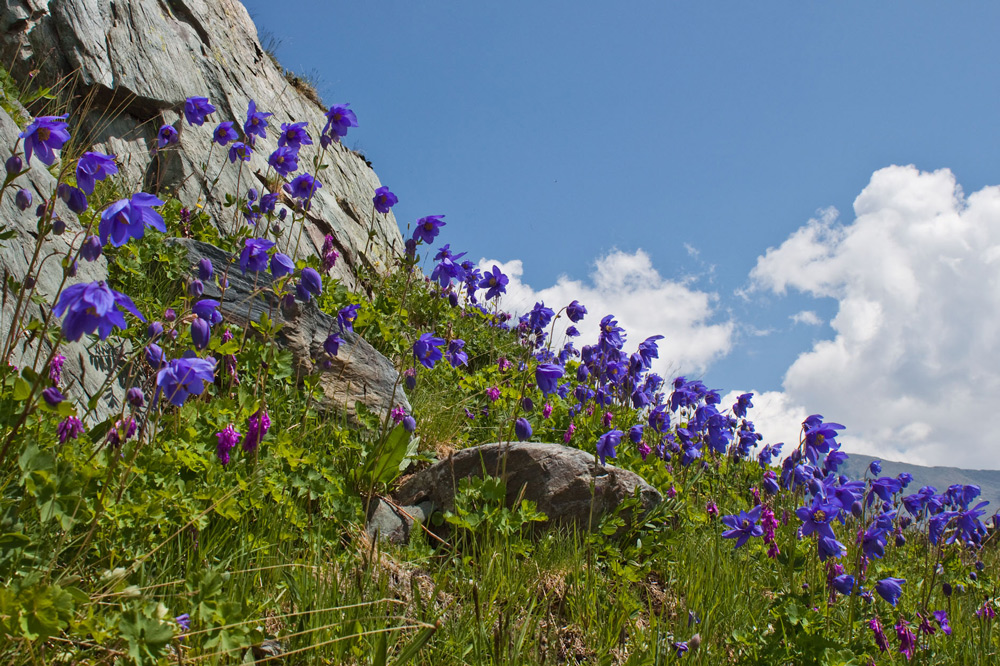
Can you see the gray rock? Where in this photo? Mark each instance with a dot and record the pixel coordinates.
(358, 373)
(130, 64)
(566, 484)
(387, 522)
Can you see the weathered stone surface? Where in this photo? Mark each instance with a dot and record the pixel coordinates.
(358, 373)
(566, 484)
(132, 63)
(387, 522)
(88, 361)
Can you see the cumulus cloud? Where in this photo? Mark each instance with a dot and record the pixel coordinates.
(913, 369)
(644, 303)
(807, 317)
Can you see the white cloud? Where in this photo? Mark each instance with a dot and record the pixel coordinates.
(913, 368)
(807, 317)
(644, 303)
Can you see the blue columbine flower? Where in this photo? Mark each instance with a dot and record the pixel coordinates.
(607, 442)
(339, 118)
(302, 187)
(384, 200)
(254, 255)
(91, 307)
(843, 584)
(575, 311)
(428, 228)
(743, 526)
(522, 429)
(890, 589)
(294, 136)
(93, 167)
(166, 136)
(185, 376)
(75, 198)
(256, 123)
(495, 283)
(346, 317)
(239, 151)
(547, 376)
(128, 218)
(816, 518)
(311, 281)
(44, 136)
(208, 309)
(284, 160)
(281, 264)
(426, 350)
(224, 133)
(455, 355)
(332, 344)
(196, 109)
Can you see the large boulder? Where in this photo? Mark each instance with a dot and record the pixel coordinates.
(566, 484)
(358, 373)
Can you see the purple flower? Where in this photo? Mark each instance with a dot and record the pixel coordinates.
(522, 429)
(166, 136)
(256, 123)
(281, 264)
(224, 133)
(409, 423)
(75, 198)
(13, 165)
(43, 136)
(495, 282)
(346, 317)
(493, 393)
(384, 199)
(135, 397)
(428, 228)
(239, 151)
(816, 518)
(843, 584)
(69, 428)
(91, 248)
(128, 218)
(942, 620)
(575, 311)
(302, 187)
(196, 108)
(890, 589)
(294, 136)
(207, 309)
(257, 426)
(55, 368)
(743, 526)
(254, 257)
(455, 355)
(875, 467)
(52, 396)
(311, 281)
(547, 376)
(205, 269)
(201, 333)
(426, 350)
(154, 356)
(880, 640)
(907, 641)
(185, 376)
(607, 442)
(285, 161)
(93, 167)
(227, 439)
(91, 307)
(339, 118)
(332, 344)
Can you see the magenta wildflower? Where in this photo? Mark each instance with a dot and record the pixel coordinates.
(69, 428)
(493, 393)
(398, 414)
(55, 368)
(257, 426)
(503, 364)
(986, 611)
(546, 411)
(228, 438)
(568, 435)
(907, 640)
(880, 639)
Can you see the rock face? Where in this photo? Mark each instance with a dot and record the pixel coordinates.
(88, 362)
(122, 69)
(557, 478)
(126, 67)
(358, 373)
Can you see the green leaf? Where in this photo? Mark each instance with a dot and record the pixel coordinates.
(22, 390)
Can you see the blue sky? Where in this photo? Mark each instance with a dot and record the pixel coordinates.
(701, 134)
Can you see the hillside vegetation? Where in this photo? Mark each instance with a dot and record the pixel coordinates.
(217, 516)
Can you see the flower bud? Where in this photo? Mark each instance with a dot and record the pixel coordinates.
(201, 332)
(409, 423)
(91, 248)
(58, 226)
(135, 397)
(169, 315)
(155, 330)
(196, 288)
(205, 269)
(22, 199)
(13, 165)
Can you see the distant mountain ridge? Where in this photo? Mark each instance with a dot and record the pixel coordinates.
(939, 477)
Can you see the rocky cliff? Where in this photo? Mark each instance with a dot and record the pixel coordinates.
(122, 69)
(127, 67)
